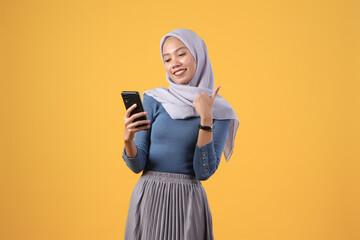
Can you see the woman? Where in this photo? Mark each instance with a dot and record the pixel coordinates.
(190, 125)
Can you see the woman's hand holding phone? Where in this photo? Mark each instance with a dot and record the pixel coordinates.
(130, 126)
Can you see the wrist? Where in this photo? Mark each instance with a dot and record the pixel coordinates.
(128, 140)
(207, 120)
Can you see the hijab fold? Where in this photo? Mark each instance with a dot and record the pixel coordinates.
(178, 99)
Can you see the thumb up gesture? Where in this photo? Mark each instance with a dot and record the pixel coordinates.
(203, 104)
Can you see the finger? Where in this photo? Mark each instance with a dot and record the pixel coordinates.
(215, 92)
(137, 123)
(142, 128)
(129, 110)
(129, 120)
(137, 115)
(137, 129)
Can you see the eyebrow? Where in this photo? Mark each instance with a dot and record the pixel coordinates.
(174, 51)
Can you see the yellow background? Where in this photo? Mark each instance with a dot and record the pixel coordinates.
(290, 69)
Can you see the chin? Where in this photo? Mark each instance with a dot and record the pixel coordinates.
(183, 82)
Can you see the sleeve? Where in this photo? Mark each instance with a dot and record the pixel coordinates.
(142, 140)
(207, 157)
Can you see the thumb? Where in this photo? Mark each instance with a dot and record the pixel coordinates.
(213, 95)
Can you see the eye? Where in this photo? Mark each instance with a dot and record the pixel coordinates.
(167, 60)
(182, 54)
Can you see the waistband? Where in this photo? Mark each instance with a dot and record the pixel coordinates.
(169, 177)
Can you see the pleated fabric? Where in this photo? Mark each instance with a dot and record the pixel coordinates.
(168, 206)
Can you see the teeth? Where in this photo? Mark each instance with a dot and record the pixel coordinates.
(179, 72)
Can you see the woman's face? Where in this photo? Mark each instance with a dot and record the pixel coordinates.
(179, 63)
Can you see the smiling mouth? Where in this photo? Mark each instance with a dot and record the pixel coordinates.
(180, 72)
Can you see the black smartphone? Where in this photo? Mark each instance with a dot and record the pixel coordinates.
(130, 98)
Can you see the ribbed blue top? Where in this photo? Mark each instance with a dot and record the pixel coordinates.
(170, 145)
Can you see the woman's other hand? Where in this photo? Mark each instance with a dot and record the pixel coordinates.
(130, 126)
(203, 104)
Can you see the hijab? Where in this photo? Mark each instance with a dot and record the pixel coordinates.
(178, 99)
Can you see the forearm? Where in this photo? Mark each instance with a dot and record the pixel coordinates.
(204, 156)
(204, 136)
(207, 157)
(205, 161)
(130, 148)
(135, 159)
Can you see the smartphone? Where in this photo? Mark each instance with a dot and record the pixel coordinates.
(130, 98)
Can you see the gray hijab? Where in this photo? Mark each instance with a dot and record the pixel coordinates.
(178, 99)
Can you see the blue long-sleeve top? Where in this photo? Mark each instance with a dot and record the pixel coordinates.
(170, 145)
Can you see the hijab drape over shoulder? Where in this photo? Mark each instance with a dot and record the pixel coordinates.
(178, 99)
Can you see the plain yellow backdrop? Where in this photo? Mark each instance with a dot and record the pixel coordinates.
(290, 69)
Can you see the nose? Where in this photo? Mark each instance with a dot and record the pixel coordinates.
(175, 63)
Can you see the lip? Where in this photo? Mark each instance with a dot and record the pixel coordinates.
(180, 70)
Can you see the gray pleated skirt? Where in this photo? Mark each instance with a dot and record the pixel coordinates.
(168, 206)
